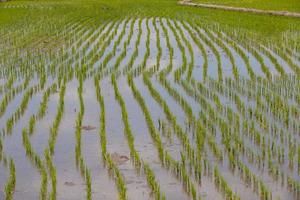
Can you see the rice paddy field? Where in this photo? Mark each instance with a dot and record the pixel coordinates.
(138, 99)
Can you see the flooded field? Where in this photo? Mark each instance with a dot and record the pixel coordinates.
(148, 108)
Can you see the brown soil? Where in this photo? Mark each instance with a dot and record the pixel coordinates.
(240, 9)
(88, 128)
(67, 183)
(119, 159)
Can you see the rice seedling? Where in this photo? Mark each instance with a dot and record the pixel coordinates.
(158, 45)
(11, 183)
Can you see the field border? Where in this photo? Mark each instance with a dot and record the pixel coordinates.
(240, 9)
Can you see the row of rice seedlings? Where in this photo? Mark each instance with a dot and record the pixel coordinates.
(135, 53)
(14, 118)
(257, 184)
(175, 94)
(246, 174)
(164, 156)
(22, 37)
(192, 122)
(194, 159)
(64, 55)
(292, 65)
(200, 46)
(112, 168)
(111, 54)
(125, 45)
(138, 162)
(278, 67)
(227, 51)
(169, 67)
(82, 42)
(166, 130)
(275, 49)
(223, 186)
(294, 186)
(98, 51)
(85, 172)
(26, 141)
(210, 137)
(190, 51)
(69, 54)
(95, 38)
(229, 114)
(272, 169)
(43, 105)
(182, 69)
(260, 59)
(258, 102)
(8, 163)
(11, 182)
(178, 168)
(8, 84)
(238, 50)
(291, 53)
(79, 50)
(101, 46)
(9, 96)
(1, 150)
(158, 45)
(275, 105)
(52, 171)
(49, 151)
(36, 160)
(279, 109)
(263, 191)
(137, 71)
(211, 46)
(85, 42)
